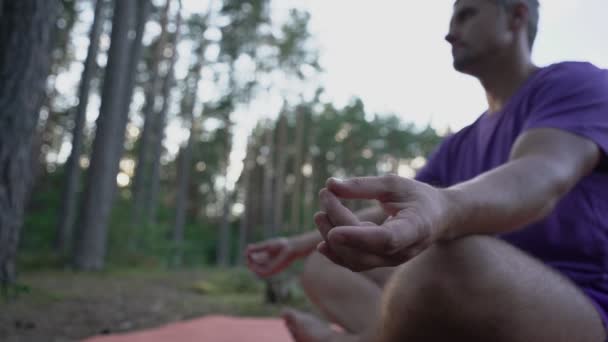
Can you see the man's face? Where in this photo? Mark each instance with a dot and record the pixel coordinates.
(479, 31)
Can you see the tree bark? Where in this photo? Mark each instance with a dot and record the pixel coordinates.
(223, 255)
(91, 230)
(310, 190)
(185, 162)
(158, 127)
(223, 252)
(245, 223)
(136, 50)
(72, 176)
(279, 199)
(25, 28)
(267, 186)
(296, 194)
(142, 168)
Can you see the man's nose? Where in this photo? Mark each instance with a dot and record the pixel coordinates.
(451, 37)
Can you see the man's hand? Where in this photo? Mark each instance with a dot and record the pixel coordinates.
(271, 256)
(418, 216)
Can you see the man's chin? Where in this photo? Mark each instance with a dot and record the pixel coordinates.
(462, 65)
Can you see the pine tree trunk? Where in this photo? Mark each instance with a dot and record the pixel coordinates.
(310, 192)
(72, 177)
(223, 255)
(296, 194)
(267, 186)
(141, 179)
(244, 224)
(185, 161)
(158, 129)
(223, 252)
(91, 230)
(25, 27)
(279, 199)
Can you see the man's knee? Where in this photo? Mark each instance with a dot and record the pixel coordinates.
(468, 264)
(315, 266)
(451, 279)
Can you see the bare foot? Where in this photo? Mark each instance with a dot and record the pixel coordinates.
(307, 328)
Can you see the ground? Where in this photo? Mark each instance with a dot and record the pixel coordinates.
(67, 306)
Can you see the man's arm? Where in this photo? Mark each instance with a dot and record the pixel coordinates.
(545, 164)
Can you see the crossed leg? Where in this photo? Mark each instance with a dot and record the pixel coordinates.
(472, 289)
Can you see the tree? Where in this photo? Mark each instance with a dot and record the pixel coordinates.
(246, 176)
(267, 185)
(296, 194)
(158, 128)
(141, 181)
(72, 175)
(24, 66)
(281, 167)
(91, 230)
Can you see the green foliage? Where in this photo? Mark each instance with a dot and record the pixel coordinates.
(341, 142)
(227, 281)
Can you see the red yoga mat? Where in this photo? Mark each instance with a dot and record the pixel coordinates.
(208, 329)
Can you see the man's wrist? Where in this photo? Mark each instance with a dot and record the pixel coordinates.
(456, 213)
(301, 245)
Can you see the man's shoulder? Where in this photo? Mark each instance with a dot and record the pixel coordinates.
(571, 71)
(463, 134)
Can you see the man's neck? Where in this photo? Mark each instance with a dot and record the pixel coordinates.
(502, 83)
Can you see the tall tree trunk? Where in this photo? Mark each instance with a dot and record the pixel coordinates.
(309, 196)
(267, 186)
(136, 50)
(296, 195)
(223, 251)
(223, 255)
(91, 231)
(25, 28)
(158, 127)
(72, 177)
(310, 190)
(183, 185)
(244, 224)
(142, 168)
(279, 199)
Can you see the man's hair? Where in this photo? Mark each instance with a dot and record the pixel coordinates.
(533, 15)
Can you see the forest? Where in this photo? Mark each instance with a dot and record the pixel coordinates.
(159, 136)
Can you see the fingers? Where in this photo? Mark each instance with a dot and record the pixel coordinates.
(338, 214)
(377, 188)
(331, 252)
(264, 246)
(275, 266)
(355, 262)
(323, 224)
(324, 249)
(369, 239)
(268, 257)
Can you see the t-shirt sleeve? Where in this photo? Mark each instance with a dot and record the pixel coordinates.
(433, 172)
(574, 98)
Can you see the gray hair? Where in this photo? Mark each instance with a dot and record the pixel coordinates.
(533, 15)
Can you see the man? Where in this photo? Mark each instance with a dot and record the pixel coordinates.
(503, 236)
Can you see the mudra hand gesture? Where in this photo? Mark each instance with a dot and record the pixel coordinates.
(417, 217)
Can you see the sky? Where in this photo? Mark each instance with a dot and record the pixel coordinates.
(392, 54)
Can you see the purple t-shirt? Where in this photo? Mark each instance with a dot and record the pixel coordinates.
(572, 97)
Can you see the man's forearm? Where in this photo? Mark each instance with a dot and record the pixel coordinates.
(505, 199)
(306, 243)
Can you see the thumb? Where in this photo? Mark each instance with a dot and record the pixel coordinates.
(371, 188)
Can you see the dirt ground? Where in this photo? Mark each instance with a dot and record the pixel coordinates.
(64, 306)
